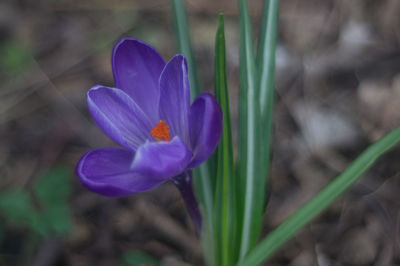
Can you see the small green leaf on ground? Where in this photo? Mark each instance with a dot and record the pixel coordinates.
(14, 57)
(54, 185)
(52, 191)
(16, 205)
(46, 211)
(138, 258)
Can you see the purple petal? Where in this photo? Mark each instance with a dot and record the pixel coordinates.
(119, 116)
(137, 67)
(205, 127)
(160, 160)
(175, 97)
(107, 172)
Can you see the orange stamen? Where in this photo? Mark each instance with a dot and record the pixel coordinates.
(161, 131)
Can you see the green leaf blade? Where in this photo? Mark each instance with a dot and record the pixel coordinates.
(266, 77)
(251, 189)
(225, 220)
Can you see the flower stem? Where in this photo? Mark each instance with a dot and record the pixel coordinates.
(184, 184)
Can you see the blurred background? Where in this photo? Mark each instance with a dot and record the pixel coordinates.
(338, 90)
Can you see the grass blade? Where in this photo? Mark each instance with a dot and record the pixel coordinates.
(251, 189)
(266, 55)
(323, 199)
(204, 174)
(265, 63)
(182, 39)
(224, 196)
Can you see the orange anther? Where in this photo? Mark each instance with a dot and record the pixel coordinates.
(161, 131)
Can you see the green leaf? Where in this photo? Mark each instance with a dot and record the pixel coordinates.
(52, 191)
(266, 55)
(14, 57)
(17, 208)
(182, 39)
(204, 181)
(52, 216)
(225, 220)
(266, 77)
(321, 201)
(204, 174)
(58, 217)
(54, 185)
(138, 258)
(251, 188)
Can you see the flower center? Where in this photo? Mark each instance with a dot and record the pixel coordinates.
(161, 131)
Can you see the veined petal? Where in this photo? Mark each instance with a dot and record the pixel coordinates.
(205, 127)
(107, 172)
(119, 116)
(160, 160)
(175, 97)
(137, 67)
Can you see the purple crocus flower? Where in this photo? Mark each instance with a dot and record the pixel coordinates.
(150, 116)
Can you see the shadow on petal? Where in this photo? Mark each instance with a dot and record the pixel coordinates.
(137, 67)
(175, 96)
(205, 127)
(107, 171)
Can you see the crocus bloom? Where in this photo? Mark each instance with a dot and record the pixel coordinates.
(150, 116)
